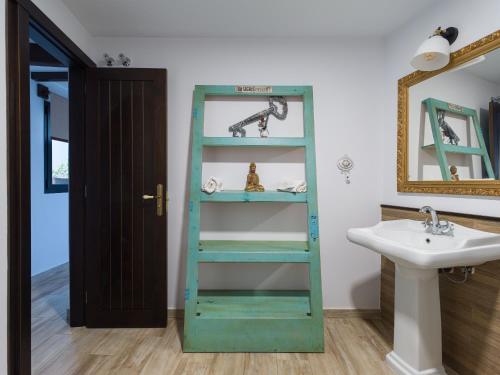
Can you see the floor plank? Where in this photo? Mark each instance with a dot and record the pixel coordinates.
(353, 346)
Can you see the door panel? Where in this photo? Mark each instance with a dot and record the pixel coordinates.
(494, 133)
(126, 159)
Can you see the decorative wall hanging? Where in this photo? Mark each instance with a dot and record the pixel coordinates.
(263, 117)
(122, 60)
(345, 166)
(108, 60)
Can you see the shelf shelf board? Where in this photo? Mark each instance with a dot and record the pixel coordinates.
(244, 196)
(253, 142)
(253, 304)
(456, 149)
(254, 251)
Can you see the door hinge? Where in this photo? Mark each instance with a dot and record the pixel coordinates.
(85, 192)
(86, 297)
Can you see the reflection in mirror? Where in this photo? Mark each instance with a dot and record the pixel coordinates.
(54, 96)
(454, 123)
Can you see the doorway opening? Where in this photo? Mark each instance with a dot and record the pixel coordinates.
(46, 153)
(127, 193)
(49, 179)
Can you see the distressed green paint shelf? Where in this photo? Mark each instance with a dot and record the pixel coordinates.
(441, 149)
(454, 149)
(253, 142)
(244, 196)
(253, 321)
(254, 251)
(229, 304)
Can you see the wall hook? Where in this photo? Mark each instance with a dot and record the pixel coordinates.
(345, 166)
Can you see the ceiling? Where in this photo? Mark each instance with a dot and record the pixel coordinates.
(244, 18)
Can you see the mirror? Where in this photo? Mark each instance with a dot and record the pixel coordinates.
(449, 124)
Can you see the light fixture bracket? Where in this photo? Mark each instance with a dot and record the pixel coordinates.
(450, 34)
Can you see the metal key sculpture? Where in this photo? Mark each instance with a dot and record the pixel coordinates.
(263, 117)
(448, 132)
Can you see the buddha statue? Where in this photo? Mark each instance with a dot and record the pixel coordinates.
(454, 174)
(253, 180)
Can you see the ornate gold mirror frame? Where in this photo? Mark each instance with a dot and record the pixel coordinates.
(486, 187)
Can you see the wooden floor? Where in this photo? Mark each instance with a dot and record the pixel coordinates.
(353, 345)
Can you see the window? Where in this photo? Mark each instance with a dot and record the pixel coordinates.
(56, 155)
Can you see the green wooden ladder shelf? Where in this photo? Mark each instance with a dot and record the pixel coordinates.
(433, 105)
(253, 321)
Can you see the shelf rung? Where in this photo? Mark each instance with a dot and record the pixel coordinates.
(456, 149)
(253, 304)
(243, 196)
(254, 251)
(253, 142)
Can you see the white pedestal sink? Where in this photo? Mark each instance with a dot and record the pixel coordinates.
(418, 256)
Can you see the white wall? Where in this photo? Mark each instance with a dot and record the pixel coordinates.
(57, 11)
(347, 85)
(474, 20)
(49, 212)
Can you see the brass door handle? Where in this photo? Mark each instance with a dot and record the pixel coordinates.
(159, 199)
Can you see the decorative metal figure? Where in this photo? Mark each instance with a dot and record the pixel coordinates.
(263, 117)
(446, 129)
(345, 166)
(109, 60)
(124, 60)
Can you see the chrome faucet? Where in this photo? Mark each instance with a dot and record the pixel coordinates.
(434, 225)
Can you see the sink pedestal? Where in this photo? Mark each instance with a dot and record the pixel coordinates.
(417, 323)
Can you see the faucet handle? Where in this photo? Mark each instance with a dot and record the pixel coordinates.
(427, 223)
(446, 227)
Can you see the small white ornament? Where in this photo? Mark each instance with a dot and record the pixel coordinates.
(345, 166)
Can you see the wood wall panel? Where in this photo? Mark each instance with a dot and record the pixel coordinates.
(470, 312)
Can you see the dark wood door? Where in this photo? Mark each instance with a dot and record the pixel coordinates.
(494, 134)
(126, 217)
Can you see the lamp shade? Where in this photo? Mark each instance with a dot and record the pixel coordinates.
(433, 54)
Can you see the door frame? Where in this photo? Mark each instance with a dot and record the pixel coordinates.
(21, 17)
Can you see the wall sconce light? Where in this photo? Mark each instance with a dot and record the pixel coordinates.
(434, 53)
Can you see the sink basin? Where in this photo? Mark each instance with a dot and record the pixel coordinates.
(407, 243)
(418, 255)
